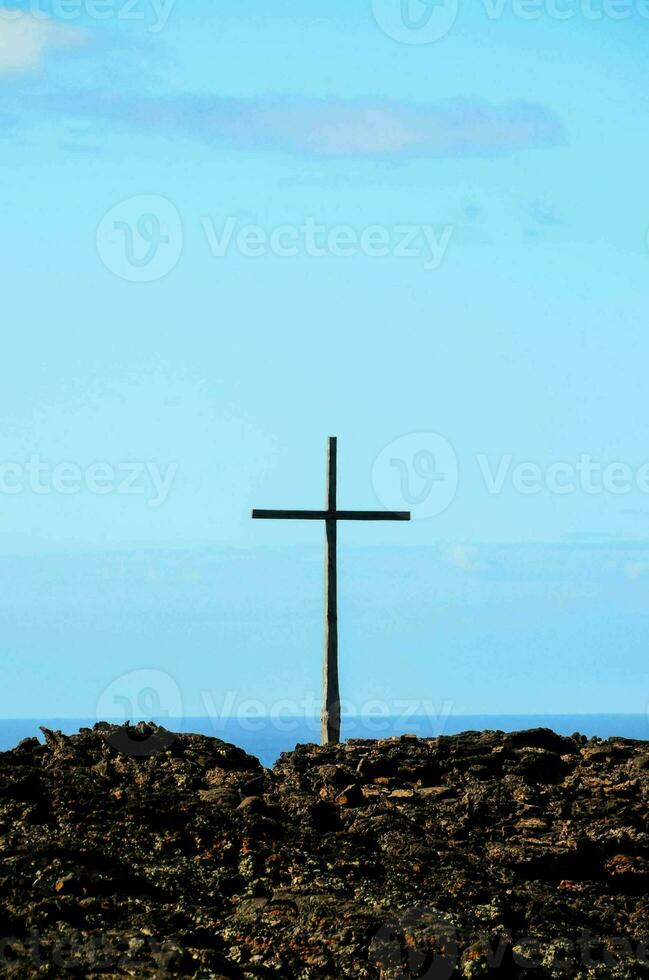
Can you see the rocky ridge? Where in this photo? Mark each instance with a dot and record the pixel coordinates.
(136, 852)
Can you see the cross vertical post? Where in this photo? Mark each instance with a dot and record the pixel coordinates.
(330, 717)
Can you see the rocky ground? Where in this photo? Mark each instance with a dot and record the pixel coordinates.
(133, 852)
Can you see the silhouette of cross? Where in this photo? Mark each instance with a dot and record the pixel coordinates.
(330, 717)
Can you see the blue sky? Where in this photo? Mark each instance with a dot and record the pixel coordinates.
(507, 160)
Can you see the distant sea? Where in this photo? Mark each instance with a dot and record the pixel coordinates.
(267, 737)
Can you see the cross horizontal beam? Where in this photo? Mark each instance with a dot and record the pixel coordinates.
(332, 515)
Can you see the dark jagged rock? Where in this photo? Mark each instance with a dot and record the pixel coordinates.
(135, 852)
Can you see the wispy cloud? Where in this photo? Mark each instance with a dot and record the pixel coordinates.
(325, 128)
(465, 557)
(25, 40)
(541, 219)
(544, 214)
(636, 569)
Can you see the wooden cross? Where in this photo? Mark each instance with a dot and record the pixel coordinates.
(330, 717)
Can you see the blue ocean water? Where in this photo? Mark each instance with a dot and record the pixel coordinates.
(266, 738)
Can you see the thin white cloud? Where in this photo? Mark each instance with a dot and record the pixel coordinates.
(465, 557)
(25, 39)
(636, 569)
(326, 127)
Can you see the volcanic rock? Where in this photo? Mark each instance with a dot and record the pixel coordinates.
(133, 851)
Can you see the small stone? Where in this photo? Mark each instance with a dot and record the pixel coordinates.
(350, 796)
(252, 804)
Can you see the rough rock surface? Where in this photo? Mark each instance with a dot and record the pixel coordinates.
(133, 852)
